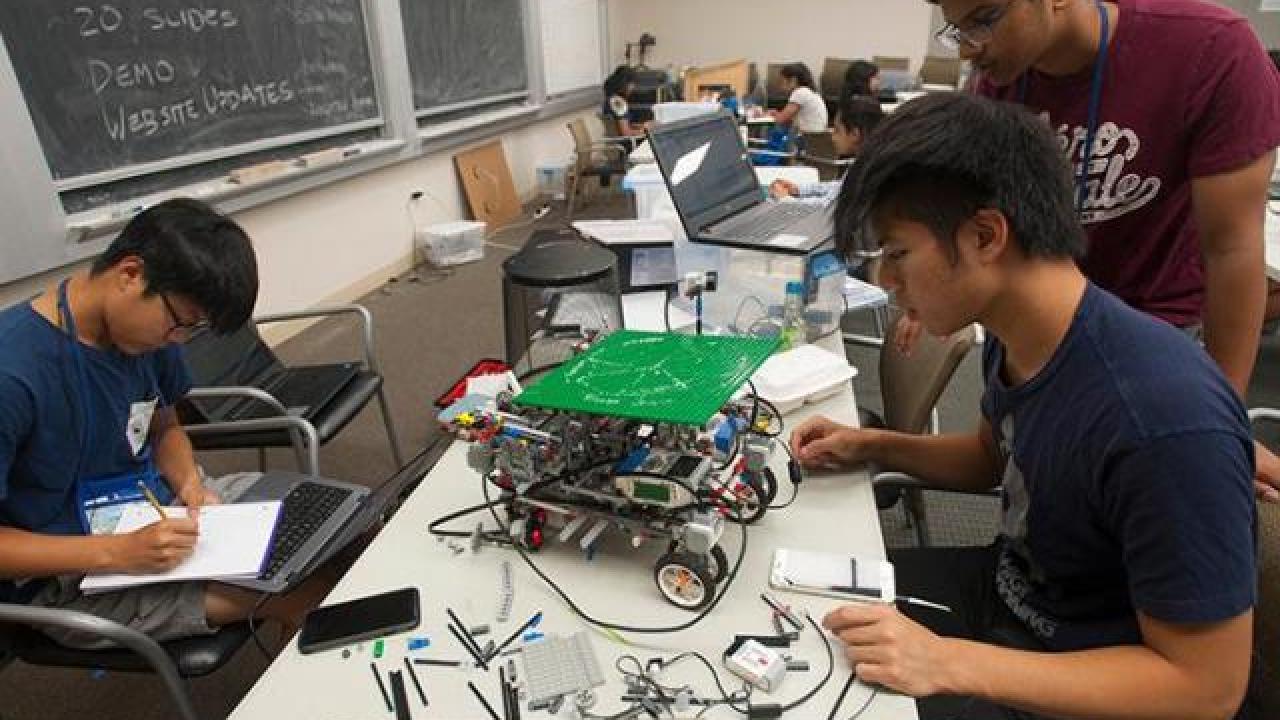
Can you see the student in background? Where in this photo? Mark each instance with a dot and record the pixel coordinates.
(805, 111)
(1178, 108)
(90, 371)
(617, 90)
(862, 78)
(856, 117)
(1123, 582)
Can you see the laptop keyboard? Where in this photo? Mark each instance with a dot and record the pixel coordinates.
(765, 222)
(305, 509)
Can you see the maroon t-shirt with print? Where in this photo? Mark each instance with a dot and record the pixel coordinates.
(1188, 92)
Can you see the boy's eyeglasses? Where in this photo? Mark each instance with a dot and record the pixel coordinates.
(976, 34)
(179, 326)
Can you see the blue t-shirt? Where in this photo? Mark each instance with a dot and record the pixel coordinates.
(1128, 482)
(43, 413)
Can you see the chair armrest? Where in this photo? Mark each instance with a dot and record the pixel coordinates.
(1264, 413)
(890, 478)
(257, 394)
(828, 161)
(292, 423)
(773, 153)
(127, 637)
(366, 324)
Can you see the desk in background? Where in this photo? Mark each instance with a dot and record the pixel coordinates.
(833, 512)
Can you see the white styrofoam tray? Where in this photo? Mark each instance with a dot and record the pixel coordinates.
(803, 374)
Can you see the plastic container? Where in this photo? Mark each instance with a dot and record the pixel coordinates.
(551, 177)
(794, 333)
(652, 198)
(452, 243)
(804, 374)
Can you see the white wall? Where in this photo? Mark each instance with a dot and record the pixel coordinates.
(335, 243)
(703, 32)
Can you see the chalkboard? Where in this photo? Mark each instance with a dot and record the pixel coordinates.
(464, 50)
(110, 85)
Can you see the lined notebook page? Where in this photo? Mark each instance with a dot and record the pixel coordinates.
(233, 543)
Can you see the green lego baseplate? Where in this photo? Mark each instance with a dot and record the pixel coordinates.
(658, 377)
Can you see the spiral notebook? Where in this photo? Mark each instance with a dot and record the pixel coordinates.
(233, 544)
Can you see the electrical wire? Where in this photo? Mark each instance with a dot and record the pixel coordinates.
(831, 667)
(728, 582)
(253, 630)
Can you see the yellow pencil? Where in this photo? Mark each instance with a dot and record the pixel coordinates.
(151, 498)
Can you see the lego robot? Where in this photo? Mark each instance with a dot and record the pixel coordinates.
(574, 472)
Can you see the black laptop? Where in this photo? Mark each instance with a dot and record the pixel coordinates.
(242, 359)
(716, 193)
(315, 520)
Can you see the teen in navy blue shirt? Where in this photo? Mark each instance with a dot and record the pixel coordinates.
(89, 374)
(1123, 580)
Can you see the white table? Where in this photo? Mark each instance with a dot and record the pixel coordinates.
(835, 512)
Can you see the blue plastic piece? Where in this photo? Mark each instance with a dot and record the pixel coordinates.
(726, 432)
(418, 643)
(632, 462)
(532, 635)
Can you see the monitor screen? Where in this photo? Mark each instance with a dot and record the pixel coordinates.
(706, 163)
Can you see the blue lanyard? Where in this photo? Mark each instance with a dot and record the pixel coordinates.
(82, 376)
(1095, 106)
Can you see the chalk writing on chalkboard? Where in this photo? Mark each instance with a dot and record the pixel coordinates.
(112, 85)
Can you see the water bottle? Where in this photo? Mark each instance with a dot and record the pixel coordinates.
(794, 332)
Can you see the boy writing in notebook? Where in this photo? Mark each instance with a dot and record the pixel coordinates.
(89, 373)
(1123, 580)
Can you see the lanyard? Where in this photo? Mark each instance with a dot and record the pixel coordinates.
(82, 376)
(1095, 105)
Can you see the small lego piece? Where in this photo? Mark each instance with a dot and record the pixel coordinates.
(377, 648)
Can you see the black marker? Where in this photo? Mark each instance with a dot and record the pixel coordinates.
(381, 687)
(416, 685)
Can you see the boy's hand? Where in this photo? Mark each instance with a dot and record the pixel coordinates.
(157, 547)
(887, 648)
(823, 444)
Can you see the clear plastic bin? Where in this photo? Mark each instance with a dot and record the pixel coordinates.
(452, 243)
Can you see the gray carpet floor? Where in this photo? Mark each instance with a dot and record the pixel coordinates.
(429, 331)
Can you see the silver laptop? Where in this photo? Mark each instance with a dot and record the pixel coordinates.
(314, 513)
(717, 196)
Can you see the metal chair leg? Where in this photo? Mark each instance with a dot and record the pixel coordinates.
(913, 503)
(391, 431)
(262, 459)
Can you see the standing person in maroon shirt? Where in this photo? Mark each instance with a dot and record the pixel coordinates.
(1177, 106)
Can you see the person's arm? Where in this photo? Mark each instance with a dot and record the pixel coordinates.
(154, 548)
(176, 460)
(1230, 209)
(786, 114)
(1180, 671)
(958, 461)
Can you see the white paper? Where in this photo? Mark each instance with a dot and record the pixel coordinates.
(863, 294)
(643, 311)
(625, 232)
(233, 543)
(689, 163)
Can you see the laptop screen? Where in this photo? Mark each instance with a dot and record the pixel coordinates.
(705, 164)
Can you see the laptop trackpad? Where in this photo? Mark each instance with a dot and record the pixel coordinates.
(268, 487)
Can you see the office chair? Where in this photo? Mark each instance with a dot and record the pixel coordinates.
(910, 386)
(775, 97)
(1263, 699)
(215, 364)
(173, 661)
(591, 158)
(938, 70)
(831, 82)
(820, 152)
(891, 62)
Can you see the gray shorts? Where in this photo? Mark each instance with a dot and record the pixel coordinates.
(164, 611)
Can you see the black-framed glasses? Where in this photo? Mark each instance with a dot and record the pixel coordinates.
(181, 327)
(976, 33)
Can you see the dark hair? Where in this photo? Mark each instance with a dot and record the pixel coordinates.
(862, 113)
(617, 82)
(799, 72)
(1274, 54)
(189, 249)
(940, 159)
(857, 78)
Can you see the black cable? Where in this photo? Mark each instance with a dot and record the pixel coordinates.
(795, 485)
(831, 666)
(539, 369)
(742, 552)
(253, 631)
(434, 526)
(865, 704)
(727, 698)
(844, 692)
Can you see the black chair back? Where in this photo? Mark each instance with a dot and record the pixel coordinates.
(240, 358)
